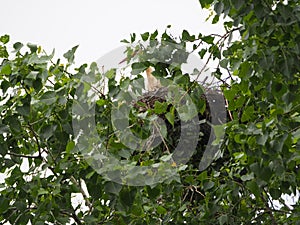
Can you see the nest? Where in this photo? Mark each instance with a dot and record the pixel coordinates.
(148, 100)
(212, 99)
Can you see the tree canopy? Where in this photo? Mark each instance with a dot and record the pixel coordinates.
(187, 153)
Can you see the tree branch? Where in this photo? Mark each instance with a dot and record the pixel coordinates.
(268, 209)
(72, 215)
(89, 204)
(35, 136)
(24, 156)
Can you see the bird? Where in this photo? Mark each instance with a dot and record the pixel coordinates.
(152, 83)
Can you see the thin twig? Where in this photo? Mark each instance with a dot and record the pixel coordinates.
(73, 215)
(161, 136)
(89, 204)
(36, 139)
(23, 156)
(268, 209)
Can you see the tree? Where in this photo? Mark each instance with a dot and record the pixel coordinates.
(253, 156)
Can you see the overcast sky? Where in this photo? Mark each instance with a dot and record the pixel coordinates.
(96, 26)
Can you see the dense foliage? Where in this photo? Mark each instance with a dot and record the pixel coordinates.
(254, 147)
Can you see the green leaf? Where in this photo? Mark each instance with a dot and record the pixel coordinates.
(187, 37)
(125, 41)
(153, 192)
(224, 63)
(23, 110)
(255, 168)
(33, 47)
(238, 4)
(262, 139)
(296, 134)
(121, 124)
(47, 131)
(266, 174)
(161, 210)
(275, 193)
(4, 39)
(138, 67)
(215, 19)
(170, 117)
(187, 112)
(70, 55)
(202, 52)
(5, 70)
(37, 85)
(3, 148)
(219, 7)
(132, 37)
(110, 74)
(101, 102)
(4, 129)
(208, 39)
(20, 205)
(14, 123)
(17, 46)
(160, 107)
(205, 3)
(247, 177)
(89, 175)
(223, 219)
(219, 131)
(217, 73)
(48, 97)
(214, 49)
(145, 36)
(4, 204)
(3, 52)
(208, 185)
(245, 70)
(253, 187)
(202, 176)
(127, 196)
(42, 191)
(248, 113)
(166, 158)
(5, 85)
(70, 146)
(229, 94)
(153, 35)
(112, 187)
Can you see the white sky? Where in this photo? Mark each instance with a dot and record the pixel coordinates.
(96, 25)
